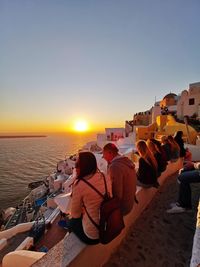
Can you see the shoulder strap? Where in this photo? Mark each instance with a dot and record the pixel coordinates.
(95, 224)
(94, 188)
(98, 192)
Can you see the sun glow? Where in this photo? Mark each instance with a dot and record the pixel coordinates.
(81, 126)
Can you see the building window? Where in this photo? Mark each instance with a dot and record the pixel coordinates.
(191, 101)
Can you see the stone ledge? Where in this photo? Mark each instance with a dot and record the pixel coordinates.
(21, 258)
(72, 252)
(195, 260)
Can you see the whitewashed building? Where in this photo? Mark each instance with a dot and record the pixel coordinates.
(189, 102)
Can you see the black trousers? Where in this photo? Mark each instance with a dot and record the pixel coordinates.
(185, 179)
(75, 225)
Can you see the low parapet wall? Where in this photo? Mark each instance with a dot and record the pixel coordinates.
(72, 252)
(195, 260)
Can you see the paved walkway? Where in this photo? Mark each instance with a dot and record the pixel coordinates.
(159, 239)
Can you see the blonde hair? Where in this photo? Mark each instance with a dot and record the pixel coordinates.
(146, 154)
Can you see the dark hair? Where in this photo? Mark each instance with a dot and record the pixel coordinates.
(157, 143)
(86, 163)
(178, 135)
(111, 147)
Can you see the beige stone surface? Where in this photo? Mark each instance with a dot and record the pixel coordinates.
(21, 258)
(157, 238)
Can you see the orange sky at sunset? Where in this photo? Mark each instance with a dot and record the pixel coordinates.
(97, 61)
(32, 126)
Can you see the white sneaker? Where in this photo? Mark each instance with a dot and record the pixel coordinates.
(177, 209)
(174, 204)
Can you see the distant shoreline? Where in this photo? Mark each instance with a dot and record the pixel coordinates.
(21, 136)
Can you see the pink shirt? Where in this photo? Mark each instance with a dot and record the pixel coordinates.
(83, 193)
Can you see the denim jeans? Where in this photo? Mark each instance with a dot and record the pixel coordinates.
(185, 179)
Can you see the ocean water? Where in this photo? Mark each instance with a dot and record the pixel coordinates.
(24, 160)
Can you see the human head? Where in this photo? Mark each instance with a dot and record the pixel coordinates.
(86, 164)
(178, 134)
(156, 143)
(146, 153)
(110, 151)
(151, 146)
(164, 139)
(142, 148)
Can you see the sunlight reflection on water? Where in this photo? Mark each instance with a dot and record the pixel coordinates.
(23, 160)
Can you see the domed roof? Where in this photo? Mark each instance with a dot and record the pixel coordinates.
(170, 95)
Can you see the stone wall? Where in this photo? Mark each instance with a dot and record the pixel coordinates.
(72, 252)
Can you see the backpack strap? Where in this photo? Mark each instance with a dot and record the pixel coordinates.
(104, 179)
(95, 224)
(94, 188)
(98, 192)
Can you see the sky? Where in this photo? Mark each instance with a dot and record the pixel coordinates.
(100, 61)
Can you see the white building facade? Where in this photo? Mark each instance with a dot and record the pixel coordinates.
(189, 102)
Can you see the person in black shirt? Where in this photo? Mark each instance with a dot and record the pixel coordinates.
(147, 172)
(178, 137)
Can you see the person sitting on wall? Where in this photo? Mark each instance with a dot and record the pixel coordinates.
(174, 149)
(161, 163)
(189, 174)
(147, 172)
(122, 175)
(160, 149)
(178, 137)
(165, 145)
(84, 197)
(188, 155)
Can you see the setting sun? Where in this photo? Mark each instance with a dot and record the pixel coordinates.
(81, 126)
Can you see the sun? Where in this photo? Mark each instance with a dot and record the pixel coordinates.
(81, 126)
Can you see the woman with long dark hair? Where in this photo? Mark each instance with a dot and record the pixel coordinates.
(178, 137)
(174, 149)
(85, 200)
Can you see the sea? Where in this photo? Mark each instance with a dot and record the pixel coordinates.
(25, 160)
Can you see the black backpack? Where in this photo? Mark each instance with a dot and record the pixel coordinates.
(111, 220)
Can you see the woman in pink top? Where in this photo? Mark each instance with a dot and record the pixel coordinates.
(84, 197)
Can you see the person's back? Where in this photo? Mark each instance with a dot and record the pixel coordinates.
(179, 140)
(146, 173)
(174, 149)
(85, 203)
(165, 146)
(122, 175)
(155, 150)
(123, 179)
(83, 193)
(160, 150)
(162, 164)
